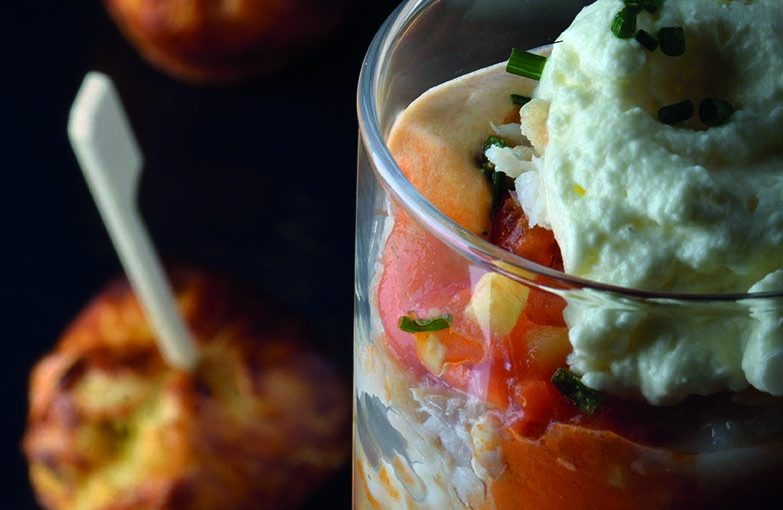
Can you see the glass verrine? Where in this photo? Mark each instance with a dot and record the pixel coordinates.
(467, 416)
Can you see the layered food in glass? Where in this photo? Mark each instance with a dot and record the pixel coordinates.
(500, 384)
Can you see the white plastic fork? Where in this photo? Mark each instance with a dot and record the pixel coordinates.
(110, 159)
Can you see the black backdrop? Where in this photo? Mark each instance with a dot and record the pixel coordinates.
(255, 180)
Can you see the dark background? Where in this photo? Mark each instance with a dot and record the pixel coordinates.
(257, 180)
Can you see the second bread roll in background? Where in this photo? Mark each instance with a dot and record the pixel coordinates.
(207, 41)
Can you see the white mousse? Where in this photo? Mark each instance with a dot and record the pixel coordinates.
(638, 203)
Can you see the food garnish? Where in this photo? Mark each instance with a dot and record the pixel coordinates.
(525, 63)
(624, 23)
(493, 141)
(672, 40)
(676, 113)
(416, 325)
(647, 40)
(586, 399)
(500, 182)
(715, 112)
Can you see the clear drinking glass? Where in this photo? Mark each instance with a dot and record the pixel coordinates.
(458, 418)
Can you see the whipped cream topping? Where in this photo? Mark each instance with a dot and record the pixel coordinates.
(638, 203)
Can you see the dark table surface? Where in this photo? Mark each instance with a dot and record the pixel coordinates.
(257, 180)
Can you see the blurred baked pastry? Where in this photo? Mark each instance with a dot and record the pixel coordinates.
(223, 40)
(263, 421)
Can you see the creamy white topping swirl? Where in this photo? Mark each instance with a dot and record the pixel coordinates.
(639, 203)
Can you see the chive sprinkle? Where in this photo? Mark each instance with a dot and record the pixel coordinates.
(586, 399)
(519, 99)
(415, 325)
(501, 184)
(624, 23)
(672, 41)
(676, 112)
(715, 112)
(647, 40)
(499, 181)
(525, 64)
(493, 141)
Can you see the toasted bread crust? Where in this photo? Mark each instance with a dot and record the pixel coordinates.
(204, 41)
(263, 418)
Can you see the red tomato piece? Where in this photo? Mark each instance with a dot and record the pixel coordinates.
(511, 231)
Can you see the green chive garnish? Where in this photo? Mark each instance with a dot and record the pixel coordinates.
(624, 23)
(715, 112)
(501, 184)
(526, 64)
(416, 325)
(676, 113)
(493, 141)
(647, 40)
(586, 399)
(519, 100)
(672, 41)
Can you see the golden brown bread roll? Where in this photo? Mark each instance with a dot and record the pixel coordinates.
(111, 427)
(223, 40)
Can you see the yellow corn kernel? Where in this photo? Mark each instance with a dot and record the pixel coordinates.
(548, 346)
(496, 304)
(431, 351)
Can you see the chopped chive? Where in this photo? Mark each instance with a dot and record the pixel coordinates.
(499, 181)
(416, 325)
(519, 99)
(672, 41)
(624, 23)
(493, 141)
(647, 40)
(526, 64)
(586, 399)
(501, 184)
(715, 112)
(676, 112)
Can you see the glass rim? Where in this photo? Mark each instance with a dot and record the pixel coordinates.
(444, 228)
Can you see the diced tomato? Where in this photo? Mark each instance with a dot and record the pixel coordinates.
(423, 277)
(547, 349)
(497, 377)
(511, 231)
(539, 403)
(545, 308)
(495, 387)
(437, 349)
